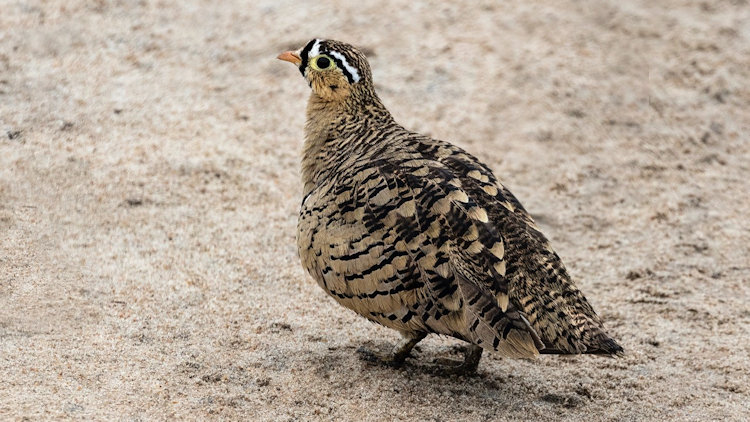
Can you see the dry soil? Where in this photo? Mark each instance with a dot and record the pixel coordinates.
(149, 188)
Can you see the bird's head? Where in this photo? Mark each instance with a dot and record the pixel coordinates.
(334, 70)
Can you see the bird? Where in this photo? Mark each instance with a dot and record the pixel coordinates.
(418, 235)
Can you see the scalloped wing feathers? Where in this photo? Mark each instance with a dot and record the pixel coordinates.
(422, 238)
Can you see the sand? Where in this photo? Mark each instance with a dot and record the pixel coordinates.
(149, 189)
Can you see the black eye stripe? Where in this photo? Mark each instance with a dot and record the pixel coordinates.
(340, 65)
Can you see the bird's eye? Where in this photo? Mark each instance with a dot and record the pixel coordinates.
(323, 62)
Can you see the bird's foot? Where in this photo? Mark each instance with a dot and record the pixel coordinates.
(399, 354)
(445, 366)
(386, 359)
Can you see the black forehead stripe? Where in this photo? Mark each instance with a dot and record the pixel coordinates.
(340, 65)
(303, 56)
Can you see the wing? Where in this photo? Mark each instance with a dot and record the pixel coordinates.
(538, 283)
(459, 255)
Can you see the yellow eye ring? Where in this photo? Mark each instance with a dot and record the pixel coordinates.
(322, 62)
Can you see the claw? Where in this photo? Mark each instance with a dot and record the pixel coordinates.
(445, 366)
(368, 355)
(447, 362)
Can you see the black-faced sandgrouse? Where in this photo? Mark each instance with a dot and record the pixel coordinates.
(418, 235)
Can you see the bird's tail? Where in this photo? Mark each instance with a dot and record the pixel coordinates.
(593, 341)
(561, 315)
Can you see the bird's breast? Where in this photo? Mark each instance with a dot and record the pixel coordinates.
(362, 269)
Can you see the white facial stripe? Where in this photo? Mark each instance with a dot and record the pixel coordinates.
(315, 50)
(352, 70)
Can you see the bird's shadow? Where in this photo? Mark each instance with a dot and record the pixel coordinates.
(440, 363)
(420, 380)
(421, 365)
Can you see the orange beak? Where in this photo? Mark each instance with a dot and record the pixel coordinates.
(291, 57)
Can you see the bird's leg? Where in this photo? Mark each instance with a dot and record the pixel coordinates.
(471, 358)
(399, 354)
(472, 355)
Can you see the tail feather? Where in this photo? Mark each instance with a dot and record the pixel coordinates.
(560, 313)
(600, 344)
(603, 344)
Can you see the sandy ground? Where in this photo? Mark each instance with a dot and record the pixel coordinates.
(149, 190)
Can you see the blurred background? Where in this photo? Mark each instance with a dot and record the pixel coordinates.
(149, 189)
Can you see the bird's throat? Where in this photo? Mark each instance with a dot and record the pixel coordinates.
(322, 119)
(333, 128)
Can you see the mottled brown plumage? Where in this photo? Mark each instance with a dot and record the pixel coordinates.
(418, 235)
